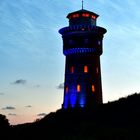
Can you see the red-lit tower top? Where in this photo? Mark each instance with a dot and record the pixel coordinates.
(82, 17)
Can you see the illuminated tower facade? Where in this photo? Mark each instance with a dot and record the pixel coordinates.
(82, 46)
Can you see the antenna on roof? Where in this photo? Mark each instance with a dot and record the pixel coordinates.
(82, 4)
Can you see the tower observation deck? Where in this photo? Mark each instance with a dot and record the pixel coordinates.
(82, 46)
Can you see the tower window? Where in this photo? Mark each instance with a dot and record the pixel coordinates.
(86, 41)
(97, 70)
(67, 89)
(93, 88)
(70, 42)
(72, 69)
(85, 15)
(85, 69)
(93, 17)
(78, 88)
(99, 42)
(75, 15)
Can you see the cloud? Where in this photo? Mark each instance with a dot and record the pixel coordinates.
(36, 86)
(42, 114)
(12, 114)
(1, 93)
(28, 106)
(19, 82)
(60, 86)
(9, 108)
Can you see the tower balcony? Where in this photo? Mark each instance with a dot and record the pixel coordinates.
(79, 39)
(79, 50)
(82, 28)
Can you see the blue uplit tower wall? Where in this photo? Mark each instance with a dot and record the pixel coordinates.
(82, 46)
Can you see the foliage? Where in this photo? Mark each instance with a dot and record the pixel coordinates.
(4, 123)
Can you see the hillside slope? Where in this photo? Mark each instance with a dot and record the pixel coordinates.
(118, 120)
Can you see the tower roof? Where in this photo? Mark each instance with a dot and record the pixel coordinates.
(81, 12)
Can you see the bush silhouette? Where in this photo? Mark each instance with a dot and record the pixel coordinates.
(4, 123)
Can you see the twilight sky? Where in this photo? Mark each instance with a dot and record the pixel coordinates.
(32, 62)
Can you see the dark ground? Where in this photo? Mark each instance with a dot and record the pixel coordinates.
(118, 120)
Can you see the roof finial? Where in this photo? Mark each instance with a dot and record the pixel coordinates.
(82, 4)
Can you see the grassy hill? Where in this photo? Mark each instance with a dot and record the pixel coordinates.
(118, 120)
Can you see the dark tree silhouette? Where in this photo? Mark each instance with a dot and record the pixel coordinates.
(4, 123)
(5, 128)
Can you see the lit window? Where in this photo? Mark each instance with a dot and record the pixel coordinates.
(94, 17)
(75, 15)
(85, 15)
(78, 88)
(67, 89)
(93, 88)
(85, 69)
(97, 70)
(72, 69)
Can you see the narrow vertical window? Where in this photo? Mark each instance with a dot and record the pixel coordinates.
(93, 88)
(86, 41)
(72, 69)
(70, 42)
(97, 70)
(67, 89)
(99, 42)
(85, 69)
(78, 88)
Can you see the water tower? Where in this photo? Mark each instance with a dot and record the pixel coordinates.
(82, 46)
